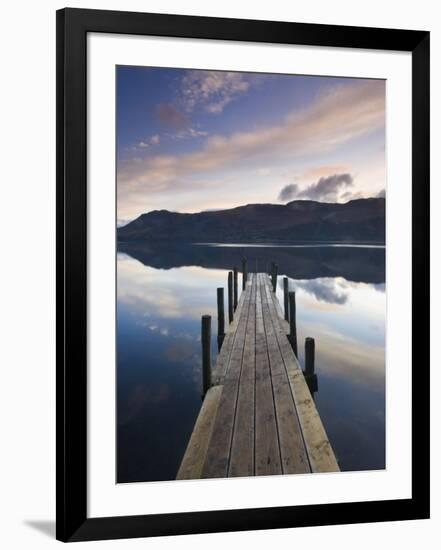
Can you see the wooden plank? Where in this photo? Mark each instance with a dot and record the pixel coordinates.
(194, 456)
(225, 352)
(267, 451)
(320, 453)
(235, 363)
(292, 448)
(242, 446)
(262, 419)
(260, 329)
(218, 454)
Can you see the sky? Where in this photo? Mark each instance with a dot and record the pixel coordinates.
(193, 140)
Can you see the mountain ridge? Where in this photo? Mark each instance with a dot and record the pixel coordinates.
(359, 220)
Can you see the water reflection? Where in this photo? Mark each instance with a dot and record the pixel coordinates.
(326, 289)
(163, 293)
(354, 264)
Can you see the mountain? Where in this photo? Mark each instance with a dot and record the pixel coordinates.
(361, 220)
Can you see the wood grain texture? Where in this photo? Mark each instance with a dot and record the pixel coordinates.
(259, 417)
(227, 346)
(242, 446)
(292, 448)
(218, 455)
(320, 453)
(194, 456)
(267, 450)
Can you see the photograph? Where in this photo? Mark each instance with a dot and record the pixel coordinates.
(217, 295)
(250, 270)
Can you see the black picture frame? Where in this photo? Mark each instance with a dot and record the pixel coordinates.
(71, 431)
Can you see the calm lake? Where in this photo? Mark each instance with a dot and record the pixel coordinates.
(162, 293)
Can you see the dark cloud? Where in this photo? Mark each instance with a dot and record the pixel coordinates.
(350, 195)
(168, 114)
(289, 192)
(325, 189)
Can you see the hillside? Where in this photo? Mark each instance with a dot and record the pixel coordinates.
(361, 220)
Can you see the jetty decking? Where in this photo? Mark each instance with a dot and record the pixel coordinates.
(258, 416)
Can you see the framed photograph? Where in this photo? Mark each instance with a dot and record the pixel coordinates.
(242, 274)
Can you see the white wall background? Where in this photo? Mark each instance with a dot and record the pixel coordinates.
(27, 273)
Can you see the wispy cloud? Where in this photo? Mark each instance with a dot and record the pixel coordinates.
(212, 90)
(189, 133)
(145, 144)
(325, 189)
(341, 115)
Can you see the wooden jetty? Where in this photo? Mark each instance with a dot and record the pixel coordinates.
(258, 416)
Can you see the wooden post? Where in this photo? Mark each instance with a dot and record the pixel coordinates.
(206, 352)
(292, 321)
(220, 317)
(230, 296)
(309, 356)
(235, 288)
(244, 273)
(310, 376)
(274, 277)
(285, 298)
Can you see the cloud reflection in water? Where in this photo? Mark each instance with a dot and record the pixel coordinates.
(159, 374)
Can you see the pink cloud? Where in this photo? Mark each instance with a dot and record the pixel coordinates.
(341, 115)
(212, 90)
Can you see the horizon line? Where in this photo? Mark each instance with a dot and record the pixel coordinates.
(122, 223)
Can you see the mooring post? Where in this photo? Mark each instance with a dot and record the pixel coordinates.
(206, 352)
(235, 287)
(292, 321)
(286, 298)
(309, 356)
(230, 296)
(274, 277)
(310, 376)
(244, 273)
(220, 317)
